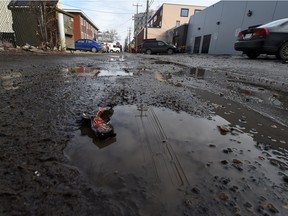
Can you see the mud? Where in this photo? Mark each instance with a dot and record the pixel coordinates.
(196, 135)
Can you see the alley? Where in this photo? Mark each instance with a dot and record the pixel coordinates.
(195, 135)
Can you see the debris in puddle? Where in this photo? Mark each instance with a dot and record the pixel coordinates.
(100, 123)
(224, 129)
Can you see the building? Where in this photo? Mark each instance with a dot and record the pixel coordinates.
(36, 23)
(83, 27)
(140, 20)
(168, 16)
(215, 29)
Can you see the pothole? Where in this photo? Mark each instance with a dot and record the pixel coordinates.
(172, 152)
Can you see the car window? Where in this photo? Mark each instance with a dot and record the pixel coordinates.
(275, 23)
(81, 41)
(160, 43)
(89, 41)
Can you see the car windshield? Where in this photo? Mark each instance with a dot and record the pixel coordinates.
(274, 23)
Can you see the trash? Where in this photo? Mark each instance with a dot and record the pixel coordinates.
(100, 123)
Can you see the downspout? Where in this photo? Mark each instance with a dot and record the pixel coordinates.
(61, 27)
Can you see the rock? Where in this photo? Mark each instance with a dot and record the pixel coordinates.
(247, 205)
(272, 208)
(224, 196)
(223, 129)
(285, 178)
(225, 162)
(195, 190)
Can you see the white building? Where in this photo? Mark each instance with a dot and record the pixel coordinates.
(215, 29)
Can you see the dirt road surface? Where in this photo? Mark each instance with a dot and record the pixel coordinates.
(195, 135)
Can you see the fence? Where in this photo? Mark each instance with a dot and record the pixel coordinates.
(32, 22)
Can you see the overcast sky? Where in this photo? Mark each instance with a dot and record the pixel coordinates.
(117, 14)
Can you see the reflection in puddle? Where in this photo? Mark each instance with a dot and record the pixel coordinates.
(172, 152)
(87, 71)
(197, 73)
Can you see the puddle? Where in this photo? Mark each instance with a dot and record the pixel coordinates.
(89, 71)
(171, 153)
(276, 98)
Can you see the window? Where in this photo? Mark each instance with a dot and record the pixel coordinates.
(177, 23)
(184, 12)
(196, 11)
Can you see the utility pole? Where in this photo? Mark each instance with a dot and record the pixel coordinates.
(129, 35)
(137, 5)
(146, 20)
(135, 18)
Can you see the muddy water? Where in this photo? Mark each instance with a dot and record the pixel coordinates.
(181, 163)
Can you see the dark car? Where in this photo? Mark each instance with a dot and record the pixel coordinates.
(270, 38)
(157, 46)
(87, 45)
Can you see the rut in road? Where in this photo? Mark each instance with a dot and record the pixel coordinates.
(158, 152)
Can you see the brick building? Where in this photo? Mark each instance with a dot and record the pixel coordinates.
(83, 26)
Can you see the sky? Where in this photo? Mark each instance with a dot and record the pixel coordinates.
(118, 14)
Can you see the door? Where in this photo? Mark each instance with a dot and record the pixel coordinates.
(197, 44)
(80, 44)
(206, 43)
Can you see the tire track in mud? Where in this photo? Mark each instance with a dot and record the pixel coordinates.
(159, 152)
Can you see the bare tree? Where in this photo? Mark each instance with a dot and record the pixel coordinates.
(110, 36)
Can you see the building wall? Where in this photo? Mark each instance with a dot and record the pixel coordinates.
(172, 13)
(26, 30)
(69, 31)
(225, 19)
(5, 17)
(83, 28)
(77, 27)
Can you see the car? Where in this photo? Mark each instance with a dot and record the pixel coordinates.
(114, 48)
(157, 46)
(270, 38)
(103, 48)
(87, 45)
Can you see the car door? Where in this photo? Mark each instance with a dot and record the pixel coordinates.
(89, 44)
(80, 44)
(161, 47)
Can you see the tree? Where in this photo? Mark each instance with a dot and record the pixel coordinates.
(110, 36)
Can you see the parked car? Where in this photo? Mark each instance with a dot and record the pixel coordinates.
(87, 45)
(157, 46)
(270, 38)
(114, 48)
(103, 48)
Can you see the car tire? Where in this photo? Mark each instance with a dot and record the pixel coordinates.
(283, 51)
(148, 52)
(252, 55)
(117, 51)
(93, 49)
(170, 51)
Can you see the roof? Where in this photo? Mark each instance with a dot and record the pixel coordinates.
(28, 3)
(79, 11)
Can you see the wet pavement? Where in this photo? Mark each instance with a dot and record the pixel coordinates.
(190, 139)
